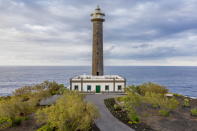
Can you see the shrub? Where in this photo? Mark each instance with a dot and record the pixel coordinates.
(132, 99)
(186, 103)
(5, 122)
(164, 113)
(161, 101)
(132, 88)
(4, 97)
(117, 107)
(151, 88)
(152, 98)
(155, 106)
(25, 100)
(119, 99)
(15, 107)
(170, 103)
(177, 95)
(53, 87)
(50, 88)
(70, 113)
(35, 93)
(45, 128)
(17, 121)
(194, 112)
(132, 115)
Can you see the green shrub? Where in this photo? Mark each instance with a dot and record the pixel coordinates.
(25, 100)
(132, 88)
(152, 88)
(119, 99)
(177, 95)
(161, 101)
(44, 89)
(155, 106)
(15, 107)
(71, 112)
(170, 104)
(186, 103)
(117, 107)
(5, 122)
(45, 128)
(132, 115)
(53, 87)
(164, 113)
(17, 120)
(152, 98)
(194, 112)
(33, 94)
(132, 99)
(4, 98)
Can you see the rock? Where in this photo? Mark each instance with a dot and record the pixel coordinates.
(49, 100)
(169, 95)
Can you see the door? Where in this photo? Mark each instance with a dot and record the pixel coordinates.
(98, 88)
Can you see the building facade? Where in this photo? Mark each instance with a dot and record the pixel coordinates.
(98, 84)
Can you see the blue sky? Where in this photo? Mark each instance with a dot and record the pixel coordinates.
(136, 32)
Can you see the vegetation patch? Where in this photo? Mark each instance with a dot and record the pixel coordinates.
(194, 112)
(148, 107)
(164, 113)
(122, 115)
(186, 102)
(70, 112)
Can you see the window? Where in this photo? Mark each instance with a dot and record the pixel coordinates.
(76, 87)
(119, 87)
(106, 87)
(89, 87)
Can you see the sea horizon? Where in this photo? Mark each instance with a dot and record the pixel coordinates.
(178, 79)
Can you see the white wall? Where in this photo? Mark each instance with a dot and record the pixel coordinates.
(122, 86)
(93, 86)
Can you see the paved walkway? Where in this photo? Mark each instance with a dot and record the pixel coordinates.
(106, 122)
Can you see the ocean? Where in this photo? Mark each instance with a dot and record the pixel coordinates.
(178, 79)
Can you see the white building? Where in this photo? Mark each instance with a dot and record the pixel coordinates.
(98, 84)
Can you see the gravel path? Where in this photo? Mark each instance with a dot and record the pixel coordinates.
(106, 122)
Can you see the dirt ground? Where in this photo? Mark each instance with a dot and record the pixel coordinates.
(150, 120)
(179, 120)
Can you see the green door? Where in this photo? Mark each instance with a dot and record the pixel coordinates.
(98, 88)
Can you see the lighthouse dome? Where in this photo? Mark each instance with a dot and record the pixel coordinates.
(97, 14)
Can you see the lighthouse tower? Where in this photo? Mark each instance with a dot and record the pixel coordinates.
(97, 82)
(97, 18)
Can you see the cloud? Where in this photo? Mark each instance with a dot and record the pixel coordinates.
(34, 32)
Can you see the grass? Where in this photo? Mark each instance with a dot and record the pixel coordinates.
(164, 113)
(186, 103)
(194, 112)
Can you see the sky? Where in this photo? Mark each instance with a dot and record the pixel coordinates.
(136, 32)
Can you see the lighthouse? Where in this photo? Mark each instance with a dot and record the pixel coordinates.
(97, 82)
(97, 18)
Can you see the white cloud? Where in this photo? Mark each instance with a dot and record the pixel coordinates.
(136, 32)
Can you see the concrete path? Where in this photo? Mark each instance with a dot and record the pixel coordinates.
(106, 122)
